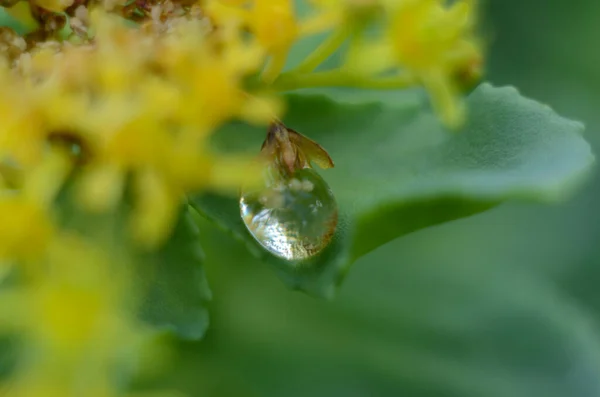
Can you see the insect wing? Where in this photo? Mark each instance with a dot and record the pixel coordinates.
(313, 151)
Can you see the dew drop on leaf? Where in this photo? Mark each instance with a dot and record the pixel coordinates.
(292, 217)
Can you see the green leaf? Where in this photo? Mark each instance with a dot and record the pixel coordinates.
(178, 292)
(408, 322)
(398, 170)
(9, 354)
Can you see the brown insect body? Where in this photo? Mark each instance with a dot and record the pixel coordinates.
(292, 151)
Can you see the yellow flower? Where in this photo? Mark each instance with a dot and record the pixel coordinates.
(81, 307)
(76, 320)
(434, 41)
(21, 131)
(121, 118)
(273, 24)
(27, 227)
(156, 210)
(431, 40)
(135, 104)
(426, 34)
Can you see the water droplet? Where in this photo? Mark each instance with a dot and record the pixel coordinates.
(293, 217)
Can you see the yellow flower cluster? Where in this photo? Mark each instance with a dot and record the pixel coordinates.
(26, 227)
(75, 321)
(115, 102)
(123, 116)
(136, 107)
(429, 43)
(434, 43)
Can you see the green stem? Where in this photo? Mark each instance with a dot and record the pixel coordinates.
(339, 78)
(323, 51)
(274, 67)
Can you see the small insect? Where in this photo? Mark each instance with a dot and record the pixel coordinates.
(293, 214)
(292, 150)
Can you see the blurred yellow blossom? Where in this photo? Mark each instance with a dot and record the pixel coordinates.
(273, 23)
(137, 103)
(435, 41)
(76, 319)
(432, 40)
(26, 227)
(109, 107)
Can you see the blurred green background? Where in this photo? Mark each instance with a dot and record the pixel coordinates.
(505, 303)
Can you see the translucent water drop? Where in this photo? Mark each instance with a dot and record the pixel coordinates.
(292, 217)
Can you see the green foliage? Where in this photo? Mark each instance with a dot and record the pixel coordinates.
(397, 170)
(177, 290)
(412, 319)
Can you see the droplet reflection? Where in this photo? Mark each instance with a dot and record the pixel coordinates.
(293, 218)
